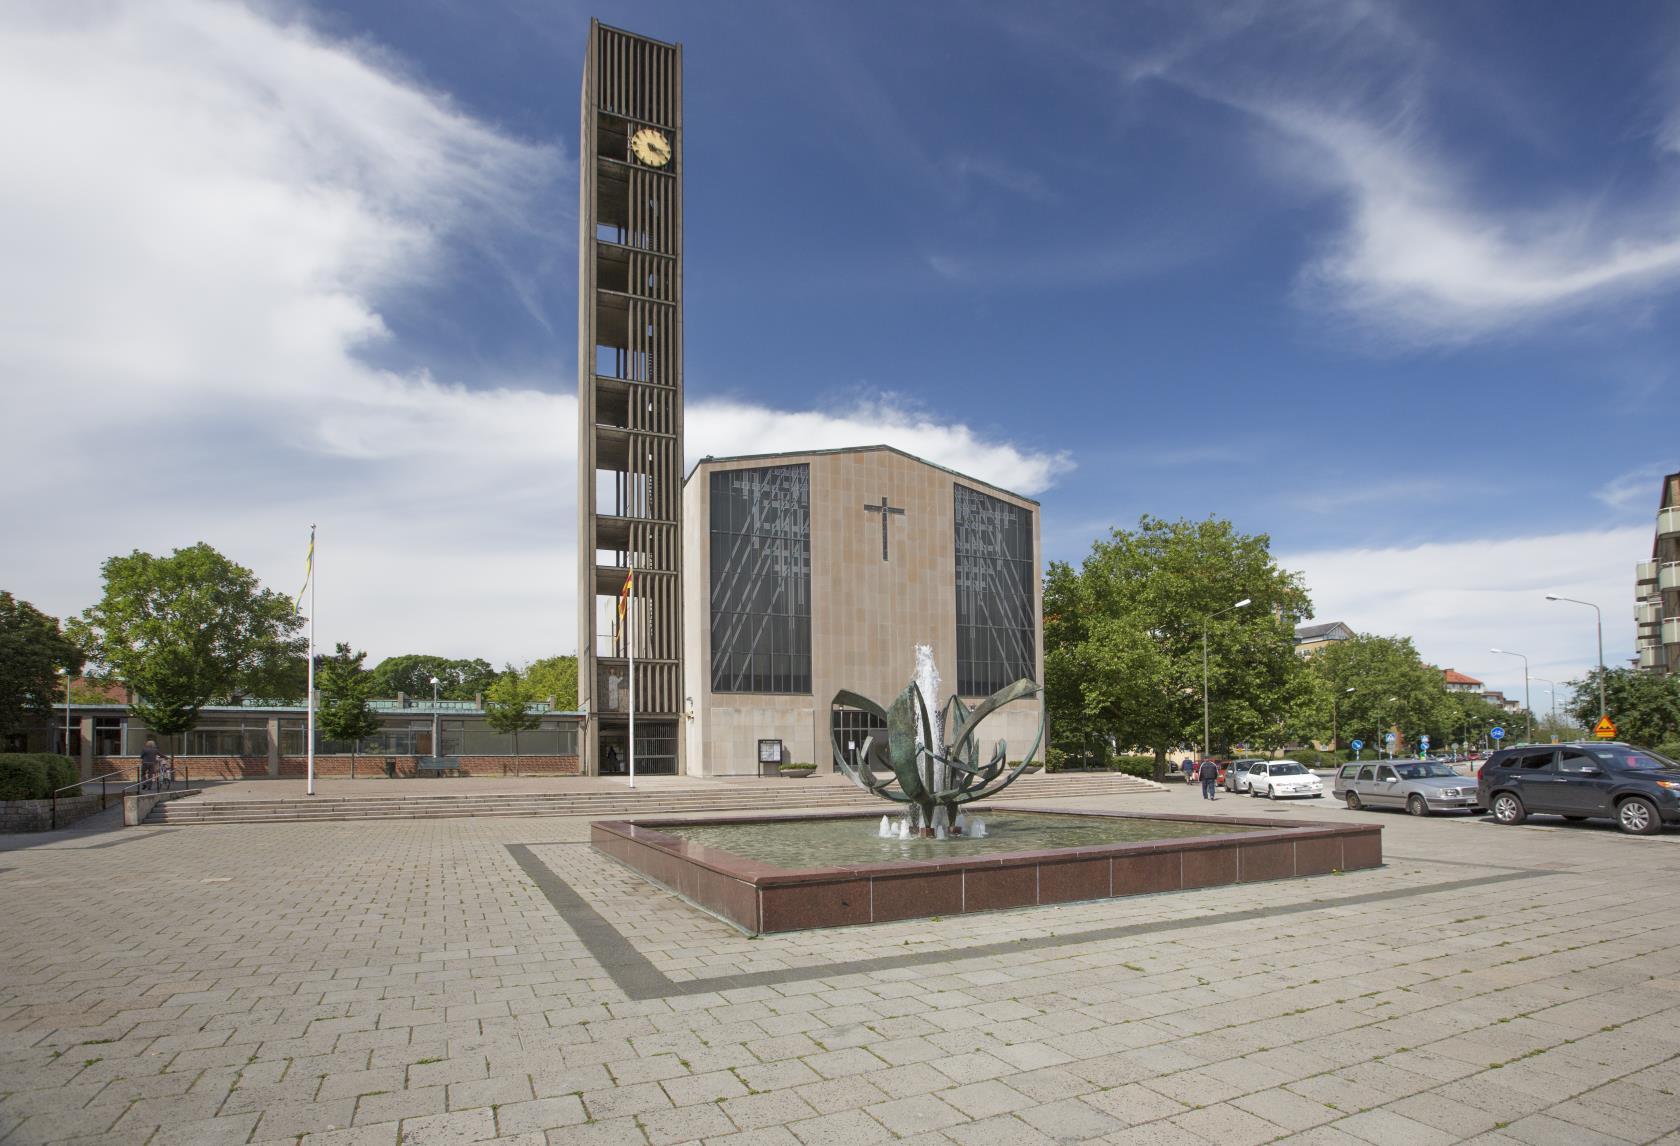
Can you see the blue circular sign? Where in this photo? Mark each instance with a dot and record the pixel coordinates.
(1497, 734)
(1358, 744)
(1389, 738)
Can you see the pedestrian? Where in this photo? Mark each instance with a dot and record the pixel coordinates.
(1209, 775)
(149, 760)
(1188, 767)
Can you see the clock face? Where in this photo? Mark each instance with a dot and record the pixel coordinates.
(651, 147)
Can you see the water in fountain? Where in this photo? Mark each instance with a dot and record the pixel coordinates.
(927, 683)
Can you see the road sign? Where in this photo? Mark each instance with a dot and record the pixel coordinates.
(1605, 729)
(1389, 739)
(1358, 744)
(1497, 733)
(1423, 742)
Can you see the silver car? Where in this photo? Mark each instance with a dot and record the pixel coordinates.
(1419, 786)
(1237, 774)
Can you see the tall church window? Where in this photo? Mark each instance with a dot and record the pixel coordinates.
(761, 579)
(996, 645)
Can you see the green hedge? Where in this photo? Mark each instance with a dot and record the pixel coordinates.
(34, 775)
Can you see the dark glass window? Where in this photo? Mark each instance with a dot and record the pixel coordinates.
(761, 580)
(996, 643)
(852, 726)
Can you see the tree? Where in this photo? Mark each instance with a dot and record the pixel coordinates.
(1644, 706)
(183, 629)
(32, 654)
(507, 707)
(345, 688)
(1391, 688)
(411, 674)
(1123, 637)
(555, 677)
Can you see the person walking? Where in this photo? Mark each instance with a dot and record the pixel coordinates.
(150, 758)
(1208, 773)
(1189, 769)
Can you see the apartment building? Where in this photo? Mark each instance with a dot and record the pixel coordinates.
(1656, 589)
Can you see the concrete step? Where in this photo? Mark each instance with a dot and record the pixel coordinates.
(453, 805)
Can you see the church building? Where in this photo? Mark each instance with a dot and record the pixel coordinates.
(807, 573)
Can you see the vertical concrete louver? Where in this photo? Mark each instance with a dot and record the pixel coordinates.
(630, 393)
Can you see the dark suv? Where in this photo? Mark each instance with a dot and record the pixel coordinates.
(1635, 786)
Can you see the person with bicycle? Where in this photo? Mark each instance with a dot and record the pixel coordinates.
(151, 761)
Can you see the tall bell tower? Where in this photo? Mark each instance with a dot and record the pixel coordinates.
(630, 401)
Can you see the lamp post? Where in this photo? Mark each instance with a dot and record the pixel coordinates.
(435, 745)
(66, 673)
(1335, 699)
(1603, 709)
(1206, 746)
(1528, 711)
(1551, 704)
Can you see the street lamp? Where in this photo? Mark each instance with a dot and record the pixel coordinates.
(1551, 706)
(1603, 709)
(1206, 747)
(1528, 712)
(435, 751)
(66, 673)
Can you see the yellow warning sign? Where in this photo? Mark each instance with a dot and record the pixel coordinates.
(1604, 729)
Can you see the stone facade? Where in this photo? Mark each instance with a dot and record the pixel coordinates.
(200, 768)
(37, 815)
(867, 614)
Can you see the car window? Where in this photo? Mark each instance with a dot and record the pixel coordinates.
(1574, 760)
(1413, 771)
(1288, 768)
(1509, 760)
(1349, 771)
(1632, 759)
(1368, 772)
(1385, 773)
(1535, 760)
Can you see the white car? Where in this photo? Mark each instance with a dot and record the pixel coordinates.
(1284, 778)
(1237, 775)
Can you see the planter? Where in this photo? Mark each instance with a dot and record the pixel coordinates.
(796, 773)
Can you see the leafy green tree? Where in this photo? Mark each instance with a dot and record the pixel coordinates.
(345, 689)
(1644, 706)
(1123, 638)
(555, 677)
(1391, 689)
(507, 707)
(32, 653)
(411, 674)
(185, 629)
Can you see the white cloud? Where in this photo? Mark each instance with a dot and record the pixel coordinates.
(204, 208)
(1635, 491)
(1458, 600)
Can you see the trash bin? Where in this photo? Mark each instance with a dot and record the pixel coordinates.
(391, 767)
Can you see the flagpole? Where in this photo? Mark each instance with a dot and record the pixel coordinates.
(630, 628)
(309, 734)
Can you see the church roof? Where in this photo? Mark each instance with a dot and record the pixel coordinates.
(773, 459)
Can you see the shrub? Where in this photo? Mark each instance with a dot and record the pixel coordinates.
(1055, 759)
(1143, 766)
(34, 775)
(1671, 750)
(796, 766)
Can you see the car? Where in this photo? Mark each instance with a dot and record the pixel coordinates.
(1236, 776)
(1283, 778)
(1419, 786)
(1637, 787)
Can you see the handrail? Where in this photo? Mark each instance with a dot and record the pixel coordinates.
(104, 789)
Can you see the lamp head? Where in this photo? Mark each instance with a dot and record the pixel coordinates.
(436, 681)
(1496, 650)
(1553, 597)
(1241, 603)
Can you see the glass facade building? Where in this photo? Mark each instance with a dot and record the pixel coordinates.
(996, 643)
(761, 579)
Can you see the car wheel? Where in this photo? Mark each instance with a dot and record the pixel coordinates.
(1271, 793)
(1637, 816)
(1352, 801)
(1507, 809)
(1417, 805)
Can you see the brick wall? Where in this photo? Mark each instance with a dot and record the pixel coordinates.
(256, 767)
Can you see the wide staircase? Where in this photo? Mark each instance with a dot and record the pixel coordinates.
(749, 796)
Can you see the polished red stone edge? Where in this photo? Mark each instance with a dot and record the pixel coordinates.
(759, 898)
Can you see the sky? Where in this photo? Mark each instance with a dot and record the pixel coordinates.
(1397, 285)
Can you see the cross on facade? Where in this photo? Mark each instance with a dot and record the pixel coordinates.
(884, 509)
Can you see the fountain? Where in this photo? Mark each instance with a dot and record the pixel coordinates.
(932, 780)
(787, 873)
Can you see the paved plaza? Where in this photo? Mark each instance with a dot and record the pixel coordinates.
(445, 981)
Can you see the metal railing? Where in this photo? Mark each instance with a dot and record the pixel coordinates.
(158, 784)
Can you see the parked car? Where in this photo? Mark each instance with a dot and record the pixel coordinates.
(1581, 780)
(1419, 786)
(1236, 776)
(1276, 779)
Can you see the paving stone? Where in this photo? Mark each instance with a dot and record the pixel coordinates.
(843, 1128)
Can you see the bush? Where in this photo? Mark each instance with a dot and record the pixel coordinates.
(34, 775)
(796, 766)
(1143, 766)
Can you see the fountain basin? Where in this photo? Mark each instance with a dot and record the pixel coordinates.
(759, 897)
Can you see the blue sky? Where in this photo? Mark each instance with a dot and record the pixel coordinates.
(1394, 284)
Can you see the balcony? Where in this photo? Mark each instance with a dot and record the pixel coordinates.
(1645, 573)
(1647, 613)
(1671, 631)
(1668, 521)
(1668, 577)
(1652, 658)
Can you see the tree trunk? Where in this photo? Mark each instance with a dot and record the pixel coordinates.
(1160, 764)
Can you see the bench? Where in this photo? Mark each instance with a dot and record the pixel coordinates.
(437, 765)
